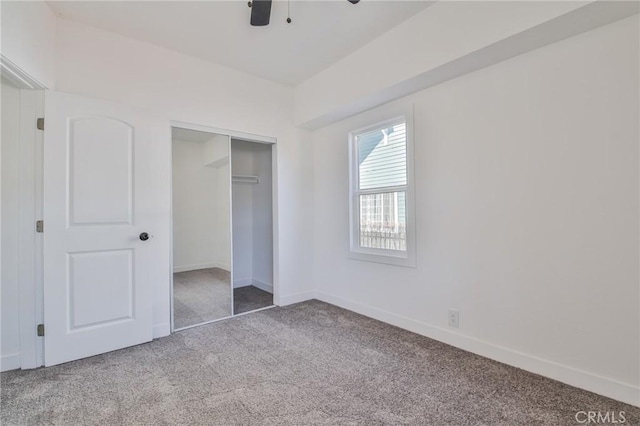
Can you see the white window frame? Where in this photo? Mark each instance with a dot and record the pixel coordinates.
(391, 257)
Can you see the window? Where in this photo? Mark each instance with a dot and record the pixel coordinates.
(381, 193)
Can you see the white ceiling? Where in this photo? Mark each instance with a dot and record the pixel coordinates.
(322, 32)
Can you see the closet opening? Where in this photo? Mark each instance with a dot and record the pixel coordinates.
(222, 226)
(252, 212)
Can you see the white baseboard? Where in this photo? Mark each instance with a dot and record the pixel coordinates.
(263, 286)
(290, 299)
(10, 362)
(161, 330)
(620, 391)
(243, 282)
(186, 268)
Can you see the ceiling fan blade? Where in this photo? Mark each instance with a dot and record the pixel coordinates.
(260, 12)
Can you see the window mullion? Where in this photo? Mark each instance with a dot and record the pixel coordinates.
(381, 190)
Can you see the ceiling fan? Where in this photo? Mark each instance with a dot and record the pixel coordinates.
(261, 12)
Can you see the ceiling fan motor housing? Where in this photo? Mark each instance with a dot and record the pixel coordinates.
(260, 12)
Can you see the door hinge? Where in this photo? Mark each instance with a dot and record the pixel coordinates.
(40, 123)
(40, 330)
(40, 226)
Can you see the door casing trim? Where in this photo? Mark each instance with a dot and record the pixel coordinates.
(30, 243)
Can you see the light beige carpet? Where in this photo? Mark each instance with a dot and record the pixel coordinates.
(250, 298)
(201, 295)
(305, 364)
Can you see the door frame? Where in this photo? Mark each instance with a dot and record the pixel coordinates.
(30, 255)
(248, 137)
(30, 250)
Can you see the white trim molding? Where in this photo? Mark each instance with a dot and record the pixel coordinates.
(614, 389)
(18, 76)
(186, 268)
(356, 251)
(243, 136)
(242, 282)
(30, 254)
(245, 282)
(290, 299)
(10, 362)
(263, 286)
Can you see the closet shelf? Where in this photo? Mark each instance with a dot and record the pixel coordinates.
(245, 179)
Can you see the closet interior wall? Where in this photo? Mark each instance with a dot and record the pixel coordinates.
(252, 215)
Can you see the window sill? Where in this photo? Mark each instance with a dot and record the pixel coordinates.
(389, 259)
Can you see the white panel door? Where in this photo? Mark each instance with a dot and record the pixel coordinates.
(105, 179)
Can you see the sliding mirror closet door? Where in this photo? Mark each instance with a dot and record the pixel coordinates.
(202, 290)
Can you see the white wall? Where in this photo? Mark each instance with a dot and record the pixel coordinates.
(527, 213)
(9, 291)
(252, 216)
(186, 89)
(28, 38)
(201, 226)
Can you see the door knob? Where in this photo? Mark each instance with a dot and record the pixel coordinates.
(144, 236)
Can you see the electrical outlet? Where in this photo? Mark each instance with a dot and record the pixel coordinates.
(454, 318)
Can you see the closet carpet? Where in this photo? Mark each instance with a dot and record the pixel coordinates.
(305, 364)
(250, 298)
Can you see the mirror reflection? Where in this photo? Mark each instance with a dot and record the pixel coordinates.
(201, 180)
